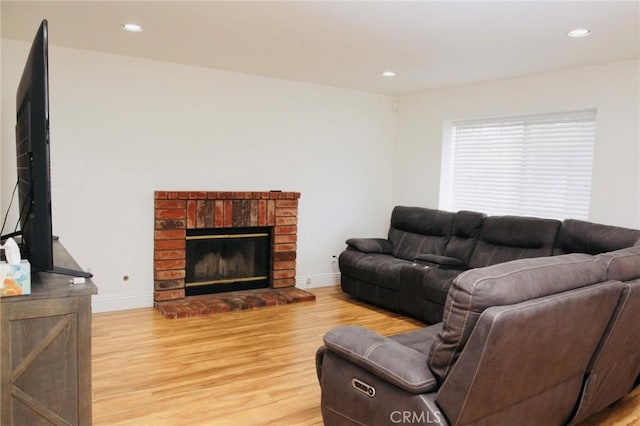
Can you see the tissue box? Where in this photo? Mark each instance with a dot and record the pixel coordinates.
(15, 279)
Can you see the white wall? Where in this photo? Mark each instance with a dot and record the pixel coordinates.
(123, 127)
(613, 89)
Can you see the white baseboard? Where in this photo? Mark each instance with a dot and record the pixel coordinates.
(318, 280)
(118, 303)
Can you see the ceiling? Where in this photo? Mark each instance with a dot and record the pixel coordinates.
(429, 44)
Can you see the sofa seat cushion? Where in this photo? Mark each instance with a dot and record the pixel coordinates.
(445, 262)
(504, 284)
(420, 339)
(622, 265)
(506, 238)
(377, 269)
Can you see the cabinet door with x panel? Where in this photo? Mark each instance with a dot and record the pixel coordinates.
(46, 355)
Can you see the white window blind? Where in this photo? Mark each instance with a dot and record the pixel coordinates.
(529, 166)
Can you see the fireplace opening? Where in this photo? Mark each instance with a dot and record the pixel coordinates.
(228, 259)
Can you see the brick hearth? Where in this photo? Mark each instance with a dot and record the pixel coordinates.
(177, 211)
(232, 301)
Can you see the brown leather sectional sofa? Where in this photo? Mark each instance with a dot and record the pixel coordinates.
(412, 270)
(536, 341)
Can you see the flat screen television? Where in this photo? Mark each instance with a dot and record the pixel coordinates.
(32, 154)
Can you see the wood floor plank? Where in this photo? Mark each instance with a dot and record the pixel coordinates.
(252, 367)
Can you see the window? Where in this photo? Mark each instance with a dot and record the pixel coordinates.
(529, 166)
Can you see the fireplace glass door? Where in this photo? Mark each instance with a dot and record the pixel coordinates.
(220, 260)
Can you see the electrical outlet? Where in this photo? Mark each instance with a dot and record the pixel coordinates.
(308, 281)
(334, 258)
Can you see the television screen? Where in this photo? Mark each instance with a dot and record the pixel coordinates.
(32, 153)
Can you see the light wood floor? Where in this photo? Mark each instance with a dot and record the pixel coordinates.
(240, 368)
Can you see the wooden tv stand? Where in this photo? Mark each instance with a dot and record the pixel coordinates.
(45, 350)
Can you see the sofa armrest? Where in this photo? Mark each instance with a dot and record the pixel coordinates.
(393, 362)
(444, 262)
(371, 245)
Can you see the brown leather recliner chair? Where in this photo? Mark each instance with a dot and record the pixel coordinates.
(515, 346)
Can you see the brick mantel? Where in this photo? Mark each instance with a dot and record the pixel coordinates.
(177, 211)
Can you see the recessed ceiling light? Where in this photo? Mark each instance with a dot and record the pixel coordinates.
(579, 32)
(389, 74)
(134, 28)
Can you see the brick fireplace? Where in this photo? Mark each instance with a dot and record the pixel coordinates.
(175, 212)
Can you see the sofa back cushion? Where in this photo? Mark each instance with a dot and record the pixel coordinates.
(578, 236)
(416, 230)
(464, 235)
(505, 238)
(504, 284)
